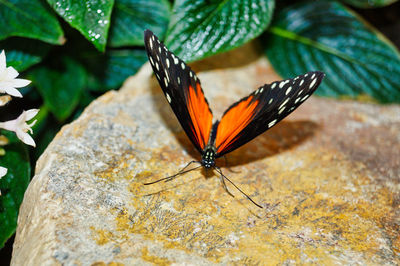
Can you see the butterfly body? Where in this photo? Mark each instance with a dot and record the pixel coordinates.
(208, 157)
(240, 123)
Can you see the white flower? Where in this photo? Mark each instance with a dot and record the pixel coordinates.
(20, 127)
(8, 80)
(3, 172)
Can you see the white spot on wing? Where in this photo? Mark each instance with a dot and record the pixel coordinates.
(282, 84)
(168, 97)
(176, 61)
(270, 101)
(304, 98)
(166, 74)
(273, 85)
(158, 68)
(183, 65)
(281, 110)
(313, 75)
(313, 83)
(159, 49)
(166, 82)
(167, 60)
(285, 102)
(270, 124)
(288, 90)
(179, 80)
(301, 82)
(151, 61)
(151, 44)
(261, 90)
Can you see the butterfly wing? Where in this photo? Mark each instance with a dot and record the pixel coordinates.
(262, 109)
(182, 89)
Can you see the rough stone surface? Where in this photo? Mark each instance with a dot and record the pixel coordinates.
(328, 177)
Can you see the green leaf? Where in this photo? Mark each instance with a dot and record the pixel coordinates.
(23, 53)
(327, 36)
(110, 70)
(31, 19)
(369, 3)
(90, 17)
(13, 184)
(60, 88)
(131, 17)
(202, 28)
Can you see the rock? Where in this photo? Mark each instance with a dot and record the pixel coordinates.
(327, 176)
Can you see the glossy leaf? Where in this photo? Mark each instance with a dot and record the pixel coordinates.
(327, 36)
(369, 3)
(13, 184)
(22, 53)
(60, 88)
(131, 17)
(31, 19)
(110, 70)
(202, 28)
(90, 17)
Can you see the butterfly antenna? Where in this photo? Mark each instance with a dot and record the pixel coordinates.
(248, 197)
(181, 172)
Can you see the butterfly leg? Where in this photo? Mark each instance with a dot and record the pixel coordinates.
(248, 197)
(182, 171)
(224, 185)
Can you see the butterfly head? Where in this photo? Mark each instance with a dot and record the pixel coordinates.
(208, 157)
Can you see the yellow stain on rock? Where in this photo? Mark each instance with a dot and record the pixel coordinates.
(117, 169)
(107, 264)
(101, 236)
(153, 259)
(316, 203)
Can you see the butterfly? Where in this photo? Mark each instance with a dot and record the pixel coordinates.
(240, 123)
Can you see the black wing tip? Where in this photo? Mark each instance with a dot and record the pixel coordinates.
(148, 33)
(147, 36)
(319, 73)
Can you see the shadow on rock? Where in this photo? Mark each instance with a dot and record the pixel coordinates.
(284, 136)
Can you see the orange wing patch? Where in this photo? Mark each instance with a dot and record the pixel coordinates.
(234, 121)
(200, 114)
